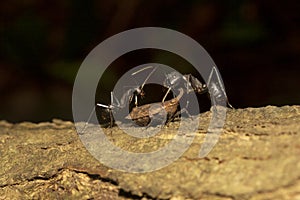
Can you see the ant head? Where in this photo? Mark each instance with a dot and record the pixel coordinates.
(201, 89)
(197, 86)
(138, 90)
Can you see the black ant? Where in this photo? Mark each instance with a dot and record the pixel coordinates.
(183, 84)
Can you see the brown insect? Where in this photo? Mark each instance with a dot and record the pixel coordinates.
(142, 115)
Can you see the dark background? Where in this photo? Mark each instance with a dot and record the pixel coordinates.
(255, 44)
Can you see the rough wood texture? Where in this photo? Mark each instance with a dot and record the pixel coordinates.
(257, 157)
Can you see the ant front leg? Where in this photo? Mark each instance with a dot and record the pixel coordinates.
(114, 103)
(217, 88)
(81, 132)
(168, 91)
(173, 80)
(128, 96)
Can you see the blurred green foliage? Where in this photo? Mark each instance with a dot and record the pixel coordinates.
(24, 42)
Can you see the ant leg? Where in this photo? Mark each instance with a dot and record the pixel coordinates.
(110, 107)
(87, 122)
(136, 101)
(103, 105)
(112, 97)
(111, 118)
(112, 104)
(126, 98)
(187, 79)
(184, 110)
(229, 105)
(220, 90)
(163, 100)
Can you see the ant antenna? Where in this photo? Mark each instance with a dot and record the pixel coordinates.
(154, 69)
(149, 67)
(134, 73)
(139, 90)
